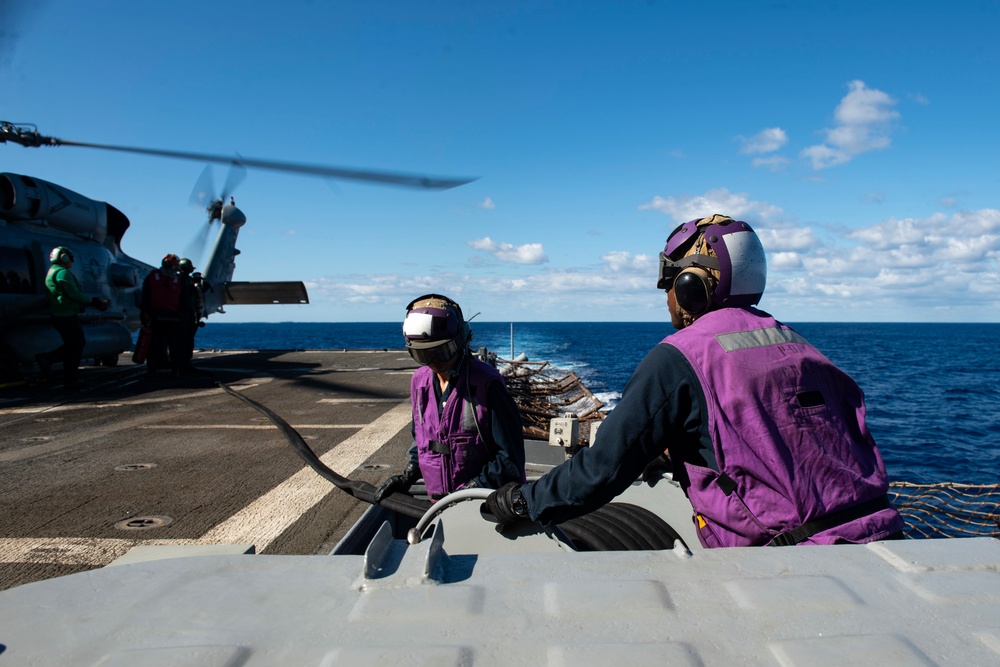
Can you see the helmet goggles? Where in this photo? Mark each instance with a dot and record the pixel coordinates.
(669, 268)
(441, 354)
(434, 331)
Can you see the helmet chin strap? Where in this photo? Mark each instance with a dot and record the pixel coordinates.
(454, 370)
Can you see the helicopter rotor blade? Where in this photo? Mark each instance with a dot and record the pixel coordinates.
(195, 250)
(370, 176)
(204, 189)
(237, 172)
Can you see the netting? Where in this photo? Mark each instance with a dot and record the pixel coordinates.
(543, 392)
(947, 509)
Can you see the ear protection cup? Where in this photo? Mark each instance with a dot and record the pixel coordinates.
(693, 289)
(59, 255)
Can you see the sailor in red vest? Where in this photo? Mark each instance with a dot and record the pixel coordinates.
(162, 292)
(766, 436)
(466, 427)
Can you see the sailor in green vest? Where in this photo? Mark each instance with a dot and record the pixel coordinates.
(66, 301)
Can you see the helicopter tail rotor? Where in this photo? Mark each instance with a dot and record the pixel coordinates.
(204, 195)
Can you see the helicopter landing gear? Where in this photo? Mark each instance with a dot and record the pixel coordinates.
(110, 360)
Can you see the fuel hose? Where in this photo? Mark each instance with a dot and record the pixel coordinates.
(614, 527)
(401, 503)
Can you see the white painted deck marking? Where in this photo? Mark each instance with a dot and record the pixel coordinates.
(71, 550)
(248, 427)
(362, 400)
(264, 519)
(137, 401)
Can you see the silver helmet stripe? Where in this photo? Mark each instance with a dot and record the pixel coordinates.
(748, 262)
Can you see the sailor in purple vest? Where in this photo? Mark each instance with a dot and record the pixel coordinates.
(764, 434)
(466, 427)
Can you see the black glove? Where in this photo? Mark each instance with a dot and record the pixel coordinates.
(508, 506)
(655, 469)
(100, 304)
(401, 483)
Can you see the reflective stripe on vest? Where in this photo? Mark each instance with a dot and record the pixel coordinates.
(746, 340)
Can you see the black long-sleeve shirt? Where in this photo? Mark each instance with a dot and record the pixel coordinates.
(662, 407)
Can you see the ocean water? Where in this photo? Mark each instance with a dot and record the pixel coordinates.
(932, 390)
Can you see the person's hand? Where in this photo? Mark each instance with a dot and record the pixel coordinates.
(656, 469)
(145, 319)
(508, 506)
(100, 304)
(398, 483)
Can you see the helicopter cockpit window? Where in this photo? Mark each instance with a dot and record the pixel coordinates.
(15, 271)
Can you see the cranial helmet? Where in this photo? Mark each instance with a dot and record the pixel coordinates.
(185, 265)
(435, 329)
(60, 254)
(170, 260)
(713, 262)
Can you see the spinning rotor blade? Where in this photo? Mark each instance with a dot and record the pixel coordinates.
(237, 172)
(22, 135)
(204, 196)
(204, 193)
(204, 189)
(195, 250)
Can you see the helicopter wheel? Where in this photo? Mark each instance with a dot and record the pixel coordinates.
(110, 360)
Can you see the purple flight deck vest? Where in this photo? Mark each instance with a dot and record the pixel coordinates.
(449, 448)
(789, 434)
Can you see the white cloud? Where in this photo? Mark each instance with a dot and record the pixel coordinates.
(786, 238)
(773, 163)
(765, 141)
(948, 263)
(863, 122)
(943, 266)
(529, 253)
(785, 261)
(487, 204)
(720, 200)
(619, 261)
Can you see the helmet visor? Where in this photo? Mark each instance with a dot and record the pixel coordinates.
(440, 354)
(668, 271)
(669, 268)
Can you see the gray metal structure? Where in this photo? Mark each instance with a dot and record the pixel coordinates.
(194, 592)
(466, 595)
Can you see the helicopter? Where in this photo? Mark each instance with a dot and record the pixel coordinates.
(36, 216)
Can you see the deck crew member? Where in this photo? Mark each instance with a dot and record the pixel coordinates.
(162, 294)
(66, 301)
(764, 434)
(466, 427)
(192, 310)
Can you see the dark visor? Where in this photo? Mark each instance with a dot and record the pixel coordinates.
(668, 271)
(669, 268)
(436, 355)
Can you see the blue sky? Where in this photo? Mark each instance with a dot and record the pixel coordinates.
(859, 139)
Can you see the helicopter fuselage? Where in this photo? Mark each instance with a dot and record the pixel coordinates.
(36, 216)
